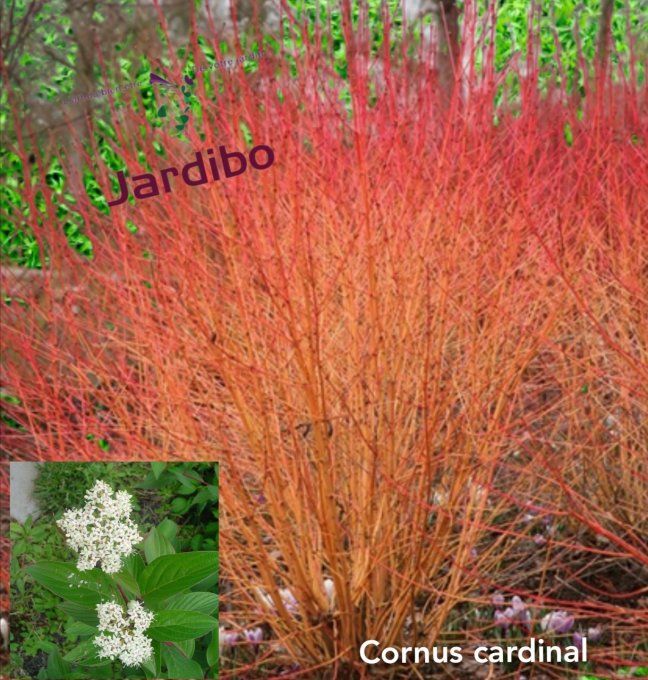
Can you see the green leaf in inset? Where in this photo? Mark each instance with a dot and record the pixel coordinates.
(127, 576)
(212, 650)
(208, 583)
(57, 667)
(168, 528)
(157, 544)
(171, 574)
(87, 615)
(88, 588)
(201, 498)
(85, 654)
(149, 665)
(157, 656)
(47, 647)
(134, 564)
(179, 505)
(187, 647)
(178, 666)
(190, 481)
(158, 468)
(81, 629)
(206, 603)
(177, 625)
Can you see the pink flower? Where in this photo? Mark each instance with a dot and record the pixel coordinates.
(497, 600)
(517, 604)
(254, 636)
(524, 619)
(517, 614)
(501, 619)
(557, 622)
(289, 600)
(227, 638)
(595, 634)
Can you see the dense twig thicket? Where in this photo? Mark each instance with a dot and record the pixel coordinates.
(418, 344)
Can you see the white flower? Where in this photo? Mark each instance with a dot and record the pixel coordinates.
(102, 531)
(289, 600)
(226, 638)
(329, 589)
(123, 636)
(287, 597)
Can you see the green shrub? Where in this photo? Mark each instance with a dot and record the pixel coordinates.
(35, 620)
(192, 493)
(63, 485)
(167, 610)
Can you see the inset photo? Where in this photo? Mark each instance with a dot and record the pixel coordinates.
(113, 571)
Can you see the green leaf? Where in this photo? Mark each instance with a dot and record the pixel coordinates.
(176, 625)
(201, 498)
(187, 647)
(178, 666)
(171, 574)
(208, 583)
(157, 656)
(179, 505)
(57, 667)
(212, 650)
(82, 651)
(80, 628)
(168, 528)
(88, 588)
(134, 565)
(47, 647)
(158, 468)
(188, 482)
(157, 544)
(161, 113)
(127, 577)
(205, 603)
(19, 548)
(87, 615)
(569, 135)
(85, 653)
(149, 665)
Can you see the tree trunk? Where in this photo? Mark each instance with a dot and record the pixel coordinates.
(448, 48)
(604, 38)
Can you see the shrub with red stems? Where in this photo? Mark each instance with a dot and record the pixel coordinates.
(420, 325)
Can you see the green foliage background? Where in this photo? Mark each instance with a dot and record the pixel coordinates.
(561, 25)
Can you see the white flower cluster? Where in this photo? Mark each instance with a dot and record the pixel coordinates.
(102, 530)
(123, 636)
